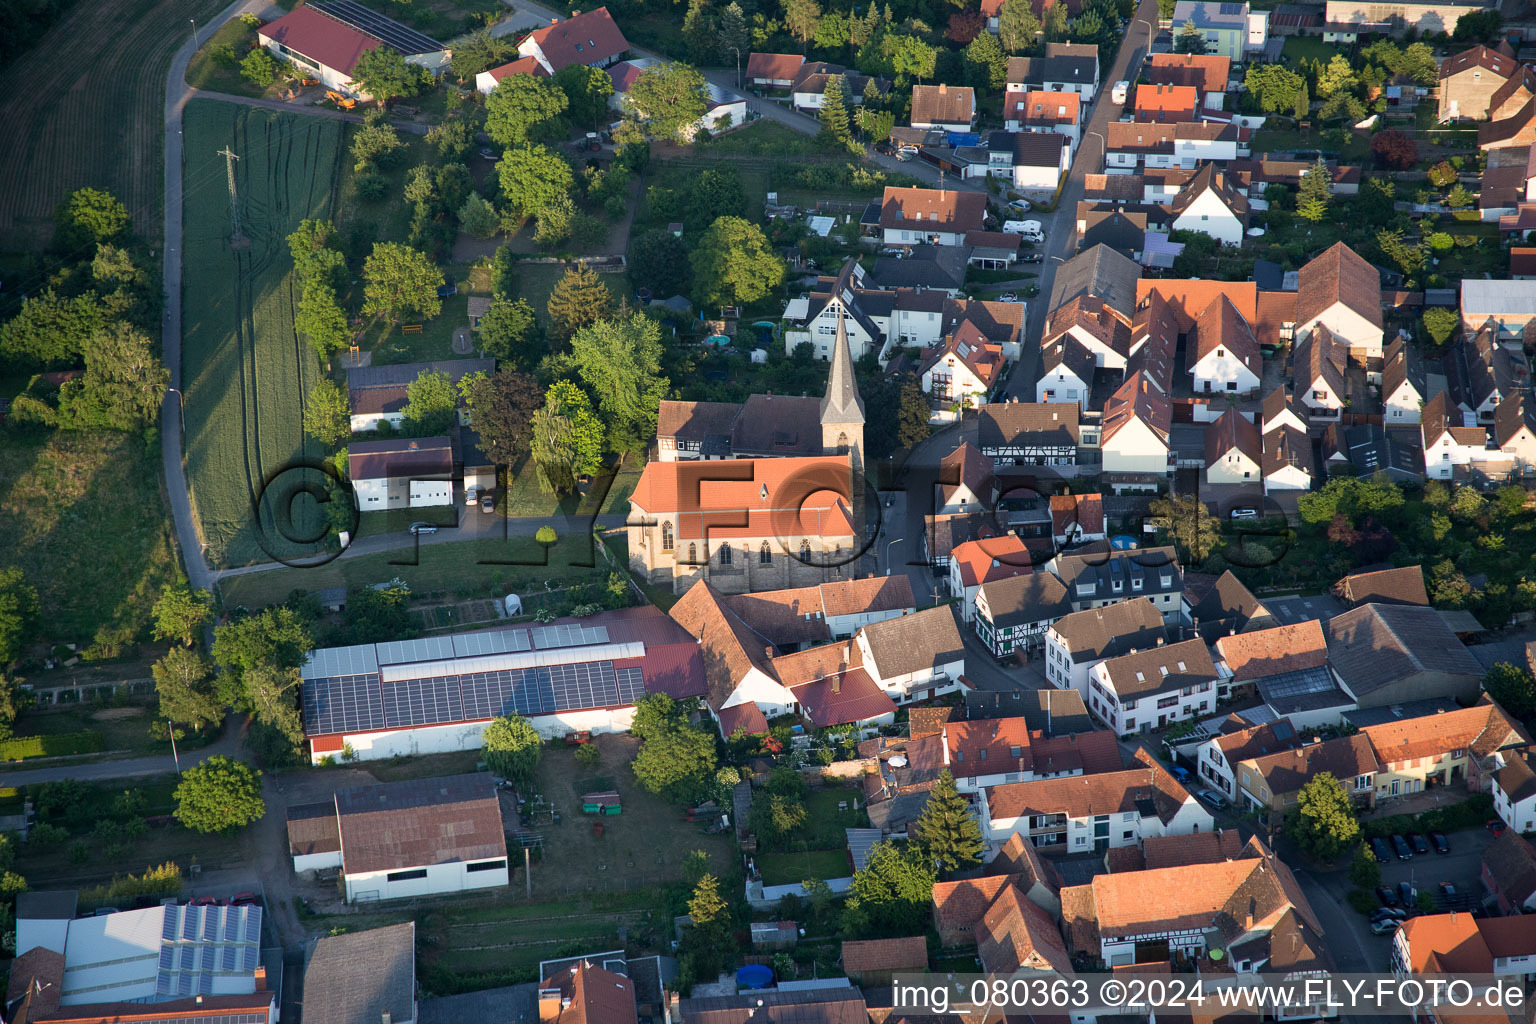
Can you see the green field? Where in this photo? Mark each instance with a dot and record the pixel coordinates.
(790, 868)
(244, 370)
(86, 107)
(83, 516)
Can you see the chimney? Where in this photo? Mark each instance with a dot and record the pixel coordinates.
(1159, 641)
(837, 683)
(385, 1017)
(261, 978)
(549, 1004)
(200, 1003)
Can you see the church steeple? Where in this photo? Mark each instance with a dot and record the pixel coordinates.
(841, 405)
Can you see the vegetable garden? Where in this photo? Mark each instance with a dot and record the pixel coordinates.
(245, 371)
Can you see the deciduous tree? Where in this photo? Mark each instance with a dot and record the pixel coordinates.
(1185, 520)
(894, 889)
(184, 686)
(533, 178)
(431, 403)
(986, 65)
(1394, 149)
(91, 216)
(19, 610)
(587, 90)
(383, 74)
(620, 362)
(1440, 323)
(124, 381)
(219, 795)
(272, 694)
(315, 254)
(1512, 687)
(509, 331)
(669, 98)
(181, 613)
(51, 329)
(1323, 824)
(658, 261)
(526, 108)
(513, 748)
(320, 320)
(677, 762)
(328, 413)
(503, 405)
(401, 281)
(1017, 25)
(734, 265)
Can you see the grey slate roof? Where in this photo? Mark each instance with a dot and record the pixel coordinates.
(514, 1004)
(355, 977)
(1020, 600)
(913, 643)
(1099, 271)
(841, 403)
(1377, 644)
(1106, 632)
(360, 377)
(1139, 572)
(1052, 711)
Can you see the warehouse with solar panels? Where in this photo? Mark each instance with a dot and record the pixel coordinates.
(326, 39)
(435, 694)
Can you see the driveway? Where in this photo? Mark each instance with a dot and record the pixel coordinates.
(130, 767)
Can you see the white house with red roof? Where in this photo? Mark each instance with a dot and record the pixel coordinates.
(965, 369)
(486, 81)
(773, 70)
(1077, 518)
(327, 39)
(978, 562)
(997, 751)
(591, 38)
(722, 109)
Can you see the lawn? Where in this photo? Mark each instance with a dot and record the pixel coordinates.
(86, 107)
(1297, 48)
(534, 282)
(524, 497)
(467, 569)
(765, 138)
(791, 868)
(203, 72)
(245, 372)
(83, 516)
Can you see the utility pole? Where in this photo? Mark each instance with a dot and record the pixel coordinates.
(236, 239)
(171, 730)
(194, 32)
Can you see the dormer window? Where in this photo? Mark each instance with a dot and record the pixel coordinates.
(763, 494)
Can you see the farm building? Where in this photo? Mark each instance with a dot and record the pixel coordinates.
(436, 694)
(410, 472)
(379, 393)
(327, 39)
(395, 840)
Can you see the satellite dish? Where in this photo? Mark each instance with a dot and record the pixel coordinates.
(899, 761)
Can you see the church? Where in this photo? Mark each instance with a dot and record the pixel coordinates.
(758, 496)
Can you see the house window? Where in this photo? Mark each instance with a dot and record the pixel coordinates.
(725, 554)
(486, 865)
(666, 536)
(693, 554)
(764, 555)
(406, 876)
(805, 551)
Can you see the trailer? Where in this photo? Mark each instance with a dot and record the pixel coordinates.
(601, 803)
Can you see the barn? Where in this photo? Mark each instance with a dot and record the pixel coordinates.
(326, 39)
(436, 694)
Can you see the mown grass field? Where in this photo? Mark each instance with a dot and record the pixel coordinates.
(85, 107)
(204, 73)
(245, 372)
(83, 516)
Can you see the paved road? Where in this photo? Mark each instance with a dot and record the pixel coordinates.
(1061, 224)
(129, 767)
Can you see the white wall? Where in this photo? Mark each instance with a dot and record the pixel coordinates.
(440, 878)
(1347, 326)
(847, 625)
(1135, 449)
(1064, 387)
(1210, 216)
(317, 861)
(1219, 371)
(757, 687)
(445, 739)
(1233, 467)
(1212, 767)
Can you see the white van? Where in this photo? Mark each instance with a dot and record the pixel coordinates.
(1029, 230)
(1118, 94)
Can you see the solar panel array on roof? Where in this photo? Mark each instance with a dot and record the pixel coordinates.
(197, 942)
(1294, 684)
(1283, 729)
(340, 661)
(429, 648)
(406, 40)
(1231, 8)
(504, 641)
(343, 704)
(568, 635)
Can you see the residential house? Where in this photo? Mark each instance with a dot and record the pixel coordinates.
(1459, 749)
(1106, 810)
(1402, 386)
(1037, 160)
(1404, 585)
(723, 108)
(1100, 272)
(965, 481)
(773, 70)
(378, 394)
(1210, 205)
(810, 85)
(833, 686)
(1017, 935)
(1132, 144)
(1224, 25)
(1251, 908)
(1507, 307)
(1153, 688)
(1167, 104)
(839, 1005)
(946, 107)
(978, 562)
(964, 370)
(583, 993)
(1013, 613)
(1514, 431)
(942, 534)
(1288, 667)
(1031, 434)
(1223, 608)
(1447, 445)
(997, 751)
(1288, 462)
(1470, 81)
(1208, 73)
(805, 616)
(1077, 519)
(1389, 653)
(1367, 449)
(1066, 67)
(1102, 578)
(1232, 450)
(455, 827)
(1081, 640)
(1033, 875)
(1094, 327)
(1458, 943)
(1481, 372)
(1281, 409)
(1137, 428)
(1317, 374)
(590, 38)
(327, 39)
(406, 472)
(1339, 290)
(1514, 790)
(1048, 710)
(1509, 872)
(1271, 783)
(1041, 111)
(363, 976)
(872, 319)
(914, 657)
(873, 961)
(1215, 758)
(1518, 130)
(939, 216)
(940, 267)
(958, 906)
(1225, 358)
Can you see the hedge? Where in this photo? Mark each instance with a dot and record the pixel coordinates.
(62, 744)
(1470, 813)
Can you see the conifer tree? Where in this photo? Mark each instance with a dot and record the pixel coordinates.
(834, 112)
(1313, 194)
(947, 833)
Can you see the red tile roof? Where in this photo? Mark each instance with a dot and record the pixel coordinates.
(324, 40)
(782, 498)
(959, 906)
(1207, 71)
(932, 209)
(843, 698)
(1014, 933)
(591, 995)
(1221, 326)
(996, 558)
(591, 38)
(747, 718)
(774, 67)
(1339, 275)
(1043, 109)
(1085, 510)
(1167, 104)
(1197, 848)
(1232, 431)
(1449, 943)
(1188, 299)
(1482, 728)
(521, 66)
(905, 954)
(1269, 652)
(943, 104)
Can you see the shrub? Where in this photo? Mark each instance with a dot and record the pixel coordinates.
(164, 880)
(370, 187)
(64, 744)
(1362, 901)
(588, 756)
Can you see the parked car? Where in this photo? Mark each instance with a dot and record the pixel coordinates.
(1447, 889)
(1496, 826)
(1388, 896)
(469, 496)
(1215, 799)
(884, 148)
(894, 253)
(242, 899)
(1386, 927)
(1119, 92)
(1244, 512)
(421, 528)
(1021, 205)
(1008, 297)
(1420, 844)
(207, 901)
(1030, 257)
(488, 502)
(1408, 894)
(1442, 845)
(104, 911)
(1381, 850)
(1400, 845)
(1389, 914)
(1182, 774)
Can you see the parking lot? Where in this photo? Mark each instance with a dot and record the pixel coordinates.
(1461, 868)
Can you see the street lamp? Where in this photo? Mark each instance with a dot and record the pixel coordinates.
(194, 32)
(737, 51)
(888, 554)
(181, 418)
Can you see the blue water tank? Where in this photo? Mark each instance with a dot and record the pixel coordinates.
(957, 139)
(754, 976)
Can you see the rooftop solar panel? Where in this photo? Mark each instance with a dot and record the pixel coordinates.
(169, 922)
(163, 985)
(342, 704)
(228, 957)
(184, 984)
(431, 648)
(205, 983)
(167, 957)
(252, 925)
(406, 40)
(502, 641)
(184, 960)
(422, 702)
(248, 961)
(1292, 684)
(340, 661)
(212, 918)
(190, 919)
(568, 635)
